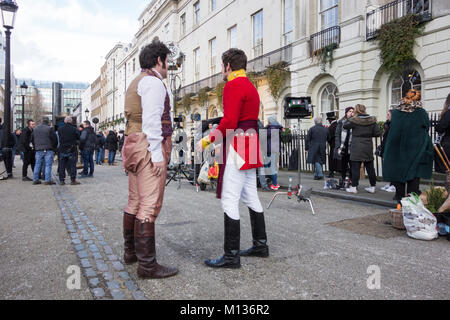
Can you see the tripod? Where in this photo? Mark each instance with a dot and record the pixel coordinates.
(303, 195)
(177, 176)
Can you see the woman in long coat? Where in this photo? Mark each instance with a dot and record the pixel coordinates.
(408, 153)
(364, 127)
(316, 146)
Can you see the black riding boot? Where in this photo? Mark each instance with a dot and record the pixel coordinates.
(231, 257)
(260, 248)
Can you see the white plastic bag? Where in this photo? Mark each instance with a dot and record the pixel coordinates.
(203, 175)
(419, 222)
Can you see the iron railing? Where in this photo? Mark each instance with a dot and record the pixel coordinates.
(394, 10)
(291, 143)
(258, 64)
(324, 38)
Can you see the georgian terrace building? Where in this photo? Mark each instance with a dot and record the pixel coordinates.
(289, 35)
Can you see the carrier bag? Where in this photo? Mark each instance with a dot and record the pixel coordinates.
(203, 175)
(419, 222)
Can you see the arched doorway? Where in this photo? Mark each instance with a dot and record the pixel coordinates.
(213, 112)
(402, 83)
(329, 101)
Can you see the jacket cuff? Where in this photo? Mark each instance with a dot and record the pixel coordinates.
(157, 156)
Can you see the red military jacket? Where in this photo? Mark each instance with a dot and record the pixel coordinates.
(240, 107)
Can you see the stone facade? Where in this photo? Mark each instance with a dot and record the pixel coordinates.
(203, 33)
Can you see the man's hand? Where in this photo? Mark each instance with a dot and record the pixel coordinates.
(158, 168)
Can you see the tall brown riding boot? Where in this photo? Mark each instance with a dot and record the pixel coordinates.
(129, 255)
(144, 240)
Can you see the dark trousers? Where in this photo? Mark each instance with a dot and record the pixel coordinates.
(111, 156)
(411, 186)
(29, 158)
(67, 161)
(88, 162)
(345, 166)
(7, 158)
(356, 166)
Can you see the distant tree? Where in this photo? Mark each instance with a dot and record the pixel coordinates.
(35, 107)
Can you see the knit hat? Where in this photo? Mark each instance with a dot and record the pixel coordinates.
(348, 109)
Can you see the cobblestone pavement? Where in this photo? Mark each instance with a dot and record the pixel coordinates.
(106, 274)
(327, 256)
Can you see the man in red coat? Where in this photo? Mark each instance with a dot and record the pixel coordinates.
(241, 156)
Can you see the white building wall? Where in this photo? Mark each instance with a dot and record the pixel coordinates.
(356, 70)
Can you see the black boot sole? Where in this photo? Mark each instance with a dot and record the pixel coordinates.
(225, 266)
(257, 255)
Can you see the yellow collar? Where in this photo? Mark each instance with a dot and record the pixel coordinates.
(237, 74)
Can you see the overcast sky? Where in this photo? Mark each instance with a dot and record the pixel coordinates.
(67, 40)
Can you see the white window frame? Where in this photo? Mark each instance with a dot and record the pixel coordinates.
(230, 38)
(213, 55)
(197, 13)
(196, 53)
(323, 11)
(166, 31)
(334, 93)
(258, 44)
(212, 5)
(183, 24)
(288, 36)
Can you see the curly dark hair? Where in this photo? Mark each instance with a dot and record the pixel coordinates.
(236, 58)
(148, 58)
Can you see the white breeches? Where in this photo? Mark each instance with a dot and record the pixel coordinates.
(239, 184)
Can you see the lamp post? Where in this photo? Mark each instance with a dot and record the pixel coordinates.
(86, 112)
(24, 88)
(9, 9)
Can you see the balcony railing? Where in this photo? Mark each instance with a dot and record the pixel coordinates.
(394, 10)
(261, 63)
(258, 64)
(324, 38)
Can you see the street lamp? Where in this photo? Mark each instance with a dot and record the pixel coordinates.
(9, 9)
(86, 112)
(23, 88)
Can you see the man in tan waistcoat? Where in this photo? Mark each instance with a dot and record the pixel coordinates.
(146, 152)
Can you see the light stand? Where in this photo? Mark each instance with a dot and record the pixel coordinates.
(301, 193)
(178, 173)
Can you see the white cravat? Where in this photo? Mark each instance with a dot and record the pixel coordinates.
(153, 96)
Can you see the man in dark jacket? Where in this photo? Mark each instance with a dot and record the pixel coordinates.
(45, 142)
(68, 140)
(25, 146)
(332, 160)
(273, 130)
(100, 149)
(364, 127)
(7, 156)
(16, 136)
(111, 145)
(316, 145)
(87, 145)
